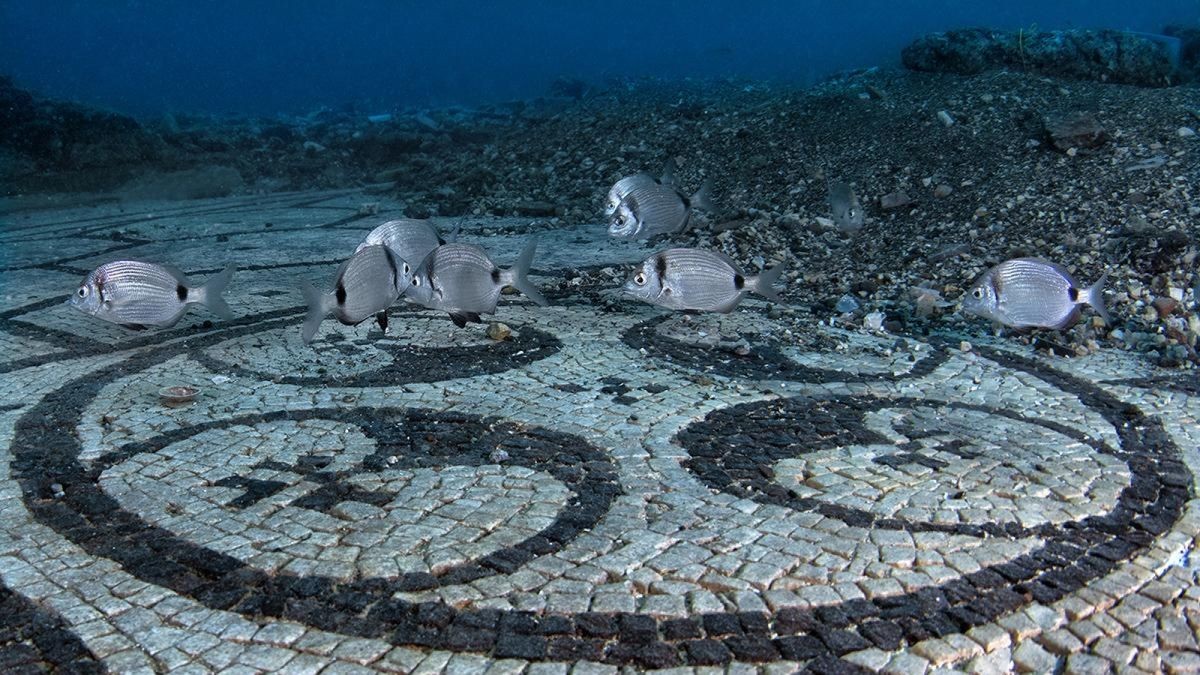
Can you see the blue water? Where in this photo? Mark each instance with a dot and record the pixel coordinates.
(145, 57)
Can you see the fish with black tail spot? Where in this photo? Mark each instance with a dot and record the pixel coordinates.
(462, 280)
(697, 279)
(139, 294)
(1033, 293)
(364, 286)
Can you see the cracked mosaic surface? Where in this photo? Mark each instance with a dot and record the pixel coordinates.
(605, 490)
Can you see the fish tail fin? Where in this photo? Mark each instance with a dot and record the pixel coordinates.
(668, 172)
(319, 305)
(702, 200)
(518, 275)
(453, 236)
(764, 284)
(1094, 296)
(213, 288)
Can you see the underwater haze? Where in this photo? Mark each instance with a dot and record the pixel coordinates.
(145, 58)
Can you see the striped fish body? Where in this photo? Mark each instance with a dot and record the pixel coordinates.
(696, 279)
(458, 278)
(626, 185)
(649, 210)
(622, 188)
(846, 209)
(139, 294)
(410, 239)
(1032, 293)
(366, 284)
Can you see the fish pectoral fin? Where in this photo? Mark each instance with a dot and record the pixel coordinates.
(134, 326)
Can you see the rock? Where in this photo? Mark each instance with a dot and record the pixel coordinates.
(1100, 55)
(1185, 132)
(942, 190)
(846, 304)
(499, 331)
(1074, 131)
(568, 87)
(945, 118)
(1164, 305)
(536, 209)
(895, 200)
(1172, 241)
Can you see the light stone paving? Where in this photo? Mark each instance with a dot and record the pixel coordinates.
(607, 489)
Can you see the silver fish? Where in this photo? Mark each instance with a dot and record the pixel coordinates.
(628, 183)
(138, 294)
(410, 239)
(462, 280)
(692, 278)
(365, 285)
(651, 209)
(1032, 293)
(847, 210)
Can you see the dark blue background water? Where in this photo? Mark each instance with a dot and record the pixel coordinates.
(146, 57)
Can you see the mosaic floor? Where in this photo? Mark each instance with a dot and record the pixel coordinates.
(614, 487)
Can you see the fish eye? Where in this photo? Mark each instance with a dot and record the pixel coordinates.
(978, 293)
(405, 268)
(416, 281)
(640, 279)
(83, 291)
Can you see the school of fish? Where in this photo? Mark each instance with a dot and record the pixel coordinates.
(408, 260)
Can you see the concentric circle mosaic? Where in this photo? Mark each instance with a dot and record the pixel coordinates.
(620, 488)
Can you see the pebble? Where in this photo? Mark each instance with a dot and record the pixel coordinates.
(945, 118)
(499, 331)
(942, 190)
(895, 200)
(1164, 305)
(874, 321)
(846, 304)
(1185, 132)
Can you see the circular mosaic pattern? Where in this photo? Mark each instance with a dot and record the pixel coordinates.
(736, 347)
(420, 347)
(69, 497)
(332, 503)
(907, 464)
(925, 507)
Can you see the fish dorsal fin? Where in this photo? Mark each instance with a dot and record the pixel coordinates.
(178, 274)
(668, 172)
